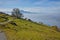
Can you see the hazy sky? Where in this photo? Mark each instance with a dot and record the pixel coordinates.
(45, 6)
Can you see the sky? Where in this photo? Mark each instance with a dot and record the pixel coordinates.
(45, 6)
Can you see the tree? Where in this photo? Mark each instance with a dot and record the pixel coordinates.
(55, 28)
(16, 13)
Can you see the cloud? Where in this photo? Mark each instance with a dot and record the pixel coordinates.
(5, 9)
(35, 9)
(0, 2)
(29, 3)
(43, 9)
(47, 3)
(8, 2)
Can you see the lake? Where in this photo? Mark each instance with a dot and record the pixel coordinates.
(46, 18)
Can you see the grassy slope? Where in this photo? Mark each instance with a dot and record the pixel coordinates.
(26, 30)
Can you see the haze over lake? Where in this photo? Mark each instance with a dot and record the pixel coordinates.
(46, 18)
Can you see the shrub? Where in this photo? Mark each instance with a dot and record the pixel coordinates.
(13, 23)
(55, 28)
(29, 20)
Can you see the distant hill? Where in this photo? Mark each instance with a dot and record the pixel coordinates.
(22, 29)
(22, 11)
(27, 12)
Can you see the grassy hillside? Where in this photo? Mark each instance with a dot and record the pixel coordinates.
(20, 29)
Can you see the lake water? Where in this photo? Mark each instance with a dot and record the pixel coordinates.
(46, 18)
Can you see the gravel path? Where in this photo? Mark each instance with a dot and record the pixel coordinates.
(2, 36)
(5, 22)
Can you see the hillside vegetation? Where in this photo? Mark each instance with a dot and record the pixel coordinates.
(21, 29)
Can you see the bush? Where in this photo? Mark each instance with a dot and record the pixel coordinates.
(55, 28)
(13, 23)
(2, 13)
(29, 20)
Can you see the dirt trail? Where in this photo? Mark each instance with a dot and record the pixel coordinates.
(2, 23)
(2, 36)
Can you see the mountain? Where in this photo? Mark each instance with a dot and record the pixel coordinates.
(22, 29)
(23, 11)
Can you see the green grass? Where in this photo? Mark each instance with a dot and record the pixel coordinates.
(26, 30)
